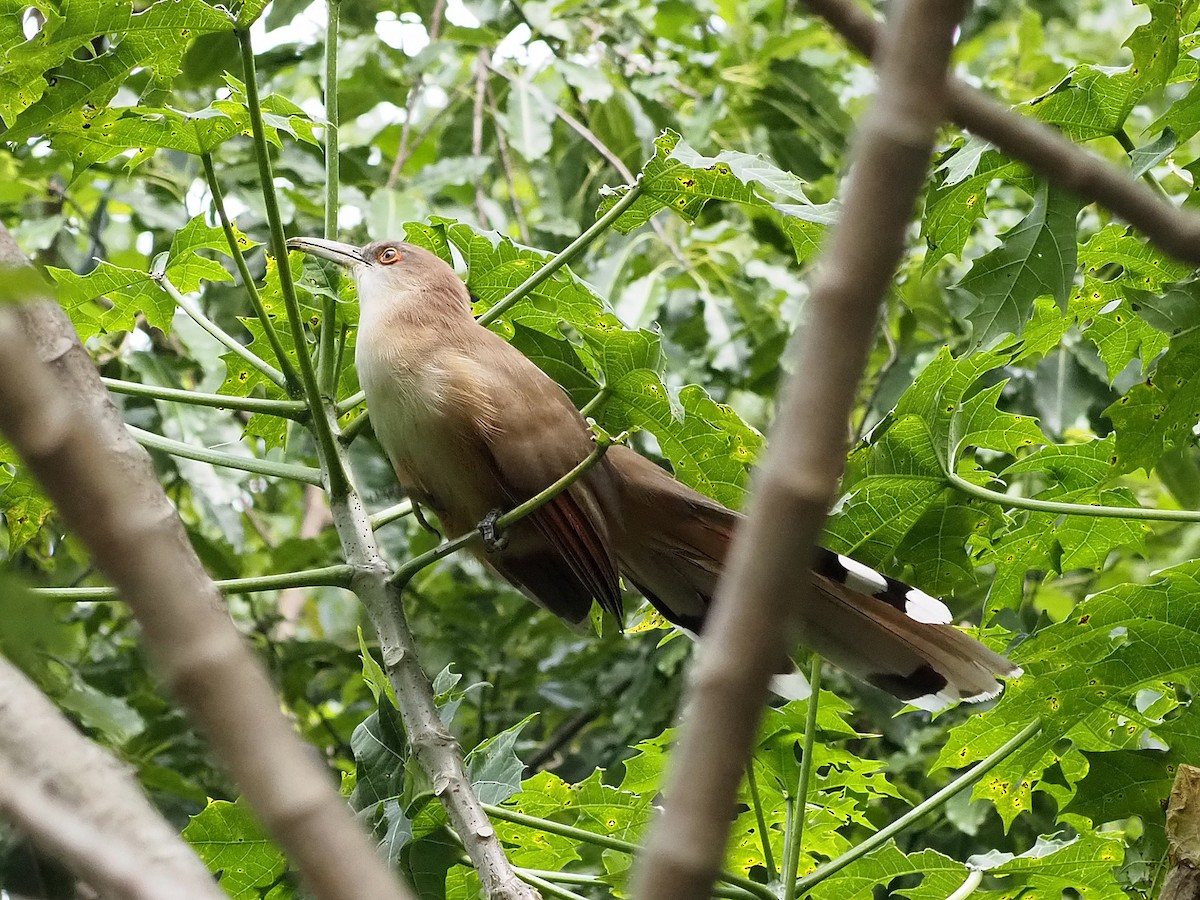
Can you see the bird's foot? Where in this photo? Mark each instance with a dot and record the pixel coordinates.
(493, 539)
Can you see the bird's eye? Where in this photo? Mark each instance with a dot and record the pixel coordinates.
(389, 255)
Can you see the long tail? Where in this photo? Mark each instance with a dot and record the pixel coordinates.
(878, 629)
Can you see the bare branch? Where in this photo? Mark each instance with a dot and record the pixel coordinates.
(410, 106)
(80, 804)
(481, 74)
(58, 416)
(755, 614)
(1171, 229)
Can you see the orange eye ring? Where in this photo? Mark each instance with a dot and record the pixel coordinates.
(389, 255)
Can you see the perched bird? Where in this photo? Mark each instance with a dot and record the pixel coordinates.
(472, 428)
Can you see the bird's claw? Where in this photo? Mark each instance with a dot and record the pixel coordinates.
(493, 539)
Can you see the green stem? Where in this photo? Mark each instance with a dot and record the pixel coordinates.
(224, 337)
(763, 834)
(804, 885)
(354, 427)
(327, 353)
(967, 888)
(239, 258)
(327, 576)
(244, 463)
(405, 573)
(607, 841)
(597, 401)
(568, 253)
(287, 409)
(1128, 146)
(391, 514)
(548, 888)
(1072, 509)
(792, 864)
(344, 406)
(339, 486)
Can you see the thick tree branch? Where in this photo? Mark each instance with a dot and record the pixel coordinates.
(80, 804)
(754, 621)
(1171, 229)
(58, 416)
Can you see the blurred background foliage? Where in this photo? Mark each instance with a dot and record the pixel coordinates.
(511, 118)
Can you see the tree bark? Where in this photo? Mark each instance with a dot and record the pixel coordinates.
(58, 416)
(81, 805)
(753, 623)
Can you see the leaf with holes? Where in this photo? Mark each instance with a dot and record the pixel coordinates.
(679, 178)
(234, 846)
(1082, 679)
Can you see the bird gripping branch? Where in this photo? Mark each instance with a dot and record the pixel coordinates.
(473, 428)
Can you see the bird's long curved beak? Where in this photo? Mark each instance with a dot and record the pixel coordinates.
(335, 251)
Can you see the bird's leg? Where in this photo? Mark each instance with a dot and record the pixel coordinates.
(493, 538)
(421, 520)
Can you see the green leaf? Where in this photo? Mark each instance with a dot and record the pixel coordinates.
(1082, 677)
(110, 715)
(130, 291)
(954, 206)
(494, 768)
(234, 846)
(1047, 542)
(1093, 101)
(1036, 257)
(1160, 413)
(1084, 864)
(898, 507)
(940, 875)
(710, 448)
(381, 756)
(45, 83)
(1123, 783)
(25, 507)
(679, 178)
(528, 119)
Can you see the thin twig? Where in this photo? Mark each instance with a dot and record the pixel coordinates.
(481, 70)
(327, 372)
(938, 800)
(564, 256)
(287, 409)
(325, 576)
(791, 865)
(1141, 513)
(410, 105)
(229, 341)
(228, 460)
(335, 473)
(509, 178)
(291, 379)
(1128, 146)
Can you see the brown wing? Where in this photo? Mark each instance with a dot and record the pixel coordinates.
(563, 556)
